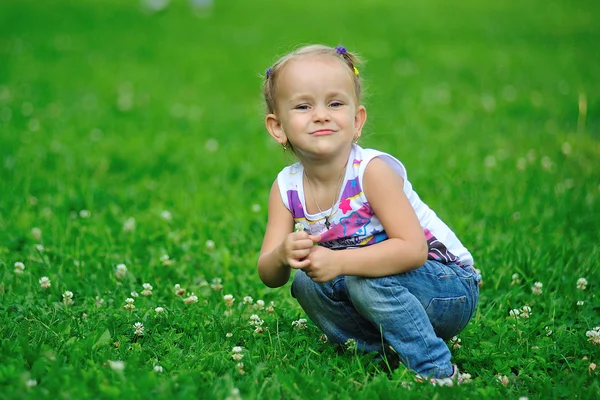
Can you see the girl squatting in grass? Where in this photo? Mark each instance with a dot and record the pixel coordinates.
(385, 264)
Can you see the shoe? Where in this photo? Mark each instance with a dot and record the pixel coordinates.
(453, 379)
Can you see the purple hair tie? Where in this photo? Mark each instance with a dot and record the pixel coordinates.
(341, 50)
(269, 72)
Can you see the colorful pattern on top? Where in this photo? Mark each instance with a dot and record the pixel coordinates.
(353, 222)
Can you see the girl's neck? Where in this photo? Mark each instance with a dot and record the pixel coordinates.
(326, 173)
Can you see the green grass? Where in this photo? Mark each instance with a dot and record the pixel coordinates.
(493, 108)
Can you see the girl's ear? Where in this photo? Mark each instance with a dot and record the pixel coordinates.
(275, 128)
(359, 121)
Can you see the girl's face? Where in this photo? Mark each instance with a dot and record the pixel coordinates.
(317, 110)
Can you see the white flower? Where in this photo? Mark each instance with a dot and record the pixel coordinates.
(548, 331)
(299, 324)
(455, 342)
(525, 311)
(228, 299)
(210, 245)
(255, 208)
(117, 366)
(537, 288)
(129, 225)
(129, 303)
(594, 336)
(228, 334)
(260, 305)
(514, 313)
(503, 379)
(139, 328)
(248, 300)
(216, 284)
(191, 299)
(45, 282)
(36, 233)
(237, 356)
(298, 227)
(40, 248)
(465, 377)
(515, 280)
(235, 395)
(240, 368)
(121, 271)
(165, 260)
(134, 294)
(166, 215)
(179, 291)
(351, 344)
(85, 214)
(582, 283)
(158, 368)
(19, 268)
(67, 298)
(580, 302)
(147, 289)
(237, 349)
(99, 301)
(271, 308)
(158, 310)
(592, 367)
(31, 383)
(255, 320)
(259, 329)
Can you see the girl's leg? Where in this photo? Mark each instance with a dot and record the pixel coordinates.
(328, 307)
(416, 309)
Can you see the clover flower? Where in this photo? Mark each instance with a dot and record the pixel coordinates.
(537, 288)
(248, 300)
(31, 383)
(592, 367)
(139, 329)
(582, 283)
(255, 320)
(271, 307)
(166, 215)
(525, 311)
(99, 301)
(134, 294)
(147, 289)
(117, 366)
(298, 227)
(255, 208)
(159, 310)
(19, 268)
(158, 368)
(594, 336)
(548, 331)
(351, 344)
(465, 377)
(191, 299)
(40, 248)
(216, 284)
(237, 353)
(36, 233)
(45, 282)
(179, 291)
(165, 260)
(228, 299)
(210, 245)
(515, 280)
(514, 313)
(580, 302)
(121, 271)
(299, 324)
(240, 368)
(68, 298)
(228, 334)
(235, 394)
(260, 305)
(455, 342)
(503, 379)
(129, 225)
(85, 214)
(129, 304)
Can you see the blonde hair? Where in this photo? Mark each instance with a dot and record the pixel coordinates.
(350, 59)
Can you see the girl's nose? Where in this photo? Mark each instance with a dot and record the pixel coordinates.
(321, 113)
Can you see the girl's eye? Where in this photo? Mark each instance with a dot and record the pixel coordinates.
(301, 107)
(336, 104)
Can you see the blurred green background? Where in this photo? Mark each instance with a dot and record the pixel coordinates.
(124, 111)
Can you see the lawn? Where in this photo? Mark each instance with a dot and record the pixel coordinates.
(134, 164)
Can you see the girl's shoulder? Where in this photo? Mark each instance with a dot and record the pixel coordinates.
(362, 157)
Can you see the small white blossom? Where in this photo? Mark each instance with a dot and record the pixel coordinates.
(255, 208)
(147, 289)
(19, 268)
(260, 305)
(240, 368)
(351, 344)
(166, 215)
(158, 368)
(514, 313)
(255, 320)
(299, 324)
(40, 248)
(99, 301)
(159, 310)
(248, 300)
(229, 312)
(210, 245)
(121, 271)
(594, 336)
(456, 342)
(36, 233)
(548, 331)
(31, 383)
(228, 335)
(503, 379)
(298, 227)
(271, 307)
(68, 298)
(139, 328)
(165, 260)
(582, 283)
(117, 366)
(85, 214)
(235, 395)
(580, 302)
(179, 291)
(465, 377)
(129, 303)
(237, 356)
(525, 311)
(216, 284)
(134, 294)
(129, 225)
(537, 288)
(259, 329)
(45, 282)
(191, 299)
(515, 280)
(228, 299)
(592, 367)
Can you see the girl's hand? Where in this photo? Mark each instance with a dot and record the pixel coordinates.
(295, 248)
(323, 265)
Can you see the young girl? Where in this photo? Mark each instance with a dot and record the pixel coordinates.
(373, 262)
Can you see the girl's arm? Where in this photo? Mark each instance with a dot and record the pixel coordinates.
(281, 248)
(406, 248)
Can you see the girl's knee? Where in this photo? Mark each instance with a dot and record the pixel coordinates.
(301, 285)
(362, 289)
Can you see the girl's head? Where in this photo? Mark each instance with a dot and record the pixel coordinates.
(313, 95)
(316, 50)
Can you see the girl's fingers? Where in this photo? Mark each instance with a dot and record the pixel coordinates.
(300, 264)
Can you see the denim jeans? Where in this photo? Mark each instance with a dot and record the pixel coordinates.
(413, 312)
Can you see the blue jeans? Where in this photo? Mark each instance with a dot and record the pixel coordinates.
(413, 312)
